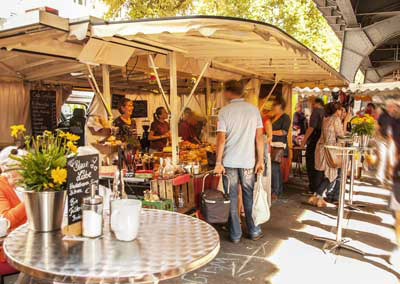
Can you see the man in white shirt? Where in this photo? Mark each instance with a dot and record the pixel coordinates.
(239, 139)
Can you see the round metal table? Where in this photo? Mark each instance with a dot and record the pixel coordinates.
(168, 245)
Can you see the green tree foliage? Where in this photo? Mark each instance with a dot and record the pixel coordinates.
(299, 18)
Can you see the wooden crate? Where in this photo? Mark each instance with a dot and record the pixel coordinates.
(161, 205)
(170, 189)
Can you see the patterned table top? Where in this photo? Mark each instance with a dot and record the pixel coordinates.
(168, 245)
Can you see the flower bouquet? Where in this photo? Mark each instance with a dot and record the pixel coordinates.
(363, 127)
(43, 176)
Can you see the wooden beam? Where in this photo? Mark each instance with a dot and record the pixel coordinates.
(239, 70)
(156, 43)
(11, 56)
(49, 47)
(148, 48)
(10, 69)
(193, 67)
(56, 71)
(34, 64)
(12, 40)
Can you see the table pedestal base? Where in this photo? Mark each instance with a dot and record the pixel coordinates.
(338, 244)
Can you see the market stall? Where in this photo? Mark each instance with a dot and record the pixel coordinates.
(174, 63)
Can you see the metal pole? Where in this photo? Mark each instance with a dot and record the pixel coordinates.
(342, 196)
(353, 161)
(153, 66)
(174, 106)
(195, 87)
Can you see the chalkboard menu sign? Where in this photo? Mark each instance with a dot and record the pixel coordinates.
(43, 111)
(139, 109)
(82, 171)
(115, 99)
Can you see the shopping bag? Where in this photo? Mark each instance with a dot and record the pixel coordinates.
(261, 213)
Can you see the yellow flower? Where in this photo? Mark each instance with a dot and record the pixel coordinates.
(47, 133)
(45, 186)
(17, 129)
(59, 175)
(62, 134)
(72, 137)
(72, 147)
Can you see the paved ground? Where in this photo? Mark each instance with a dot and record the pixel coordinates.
(288, 254)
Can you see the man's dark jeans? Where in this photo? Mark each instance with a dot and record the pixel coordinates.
(247, 179)
(313, 179)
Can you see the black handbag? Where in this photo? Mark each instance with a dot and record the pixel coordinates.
(214, 204)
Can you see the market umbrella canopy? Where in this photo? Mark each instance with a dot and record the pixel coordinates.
(241, 47)
(40, 46)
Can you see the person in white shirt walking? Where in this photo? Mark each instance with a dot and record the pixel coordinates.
(240, 154)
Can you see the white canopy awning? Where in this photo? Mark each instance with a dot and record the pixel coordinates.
(42, 46)
(244, 47)
(376, 89)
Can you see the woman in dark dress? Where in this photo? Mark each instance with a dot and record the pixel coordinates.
(280, 130)
(127, 132)
(159, 130)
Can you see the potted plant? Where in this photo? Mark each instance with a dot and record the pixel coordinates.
(43, 176)
(363, 127)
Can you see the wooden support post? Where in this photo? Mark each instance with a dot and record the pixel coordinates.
(106, 83)
(174, 103)
(252, 89)
(95, 87)
(208, 96)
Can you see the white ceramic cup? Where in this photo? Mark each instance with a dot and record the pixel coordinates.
(4, 226)
(125, 218)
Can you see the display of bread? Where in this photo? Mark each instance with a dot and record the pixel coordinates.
(167, 149)
(111, 141)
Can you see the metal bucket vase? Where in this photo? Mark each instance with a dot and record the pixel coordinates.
(364, 140)
(45, 210)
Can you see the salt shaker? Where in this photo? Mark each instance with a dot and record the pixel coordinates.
(92, 214)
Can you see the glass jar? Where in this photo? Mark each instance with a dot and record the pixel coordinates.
(92, 216)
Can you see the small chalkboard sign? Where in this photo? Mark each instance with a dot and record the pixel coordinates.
(82, 172)
(43, 111)
(139, 109)
(115, 99)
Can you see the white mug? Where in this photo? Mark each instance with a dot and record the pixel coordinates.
(4, 226)
(125, 218)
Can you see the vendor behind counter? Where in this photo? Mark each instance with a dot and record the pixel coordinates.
(187, 127)
(127, 131)
(159, 131)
